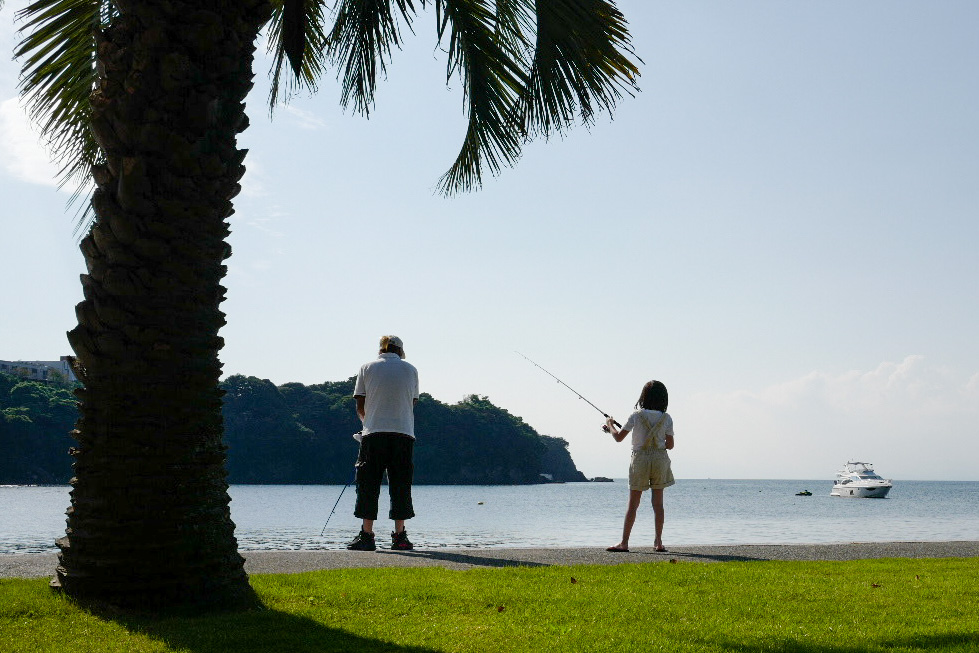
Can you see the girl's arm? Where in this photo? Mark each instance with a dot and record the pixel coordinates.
(619, 435)
(669, 441)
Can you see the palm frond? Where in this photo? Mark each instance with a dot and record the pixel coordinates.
(581, 64)
(58, 76)
(361, 42)
(294, 32)
(488, 64)
(297, 36)
(515, 21)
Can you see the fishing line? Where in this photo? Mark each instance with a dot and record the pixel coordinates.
(607, 416)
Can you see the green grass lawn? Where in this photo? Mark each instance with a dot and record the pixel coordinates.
(836, 607)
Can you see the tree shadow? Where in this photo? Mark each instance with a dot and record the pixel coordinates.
(466, 559)
(257, 630)
(940, 642)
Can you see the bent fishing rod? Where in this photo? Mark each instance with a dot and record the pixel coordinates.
(607, 416)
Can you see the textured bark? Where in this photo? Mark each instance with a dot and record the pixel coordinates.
(149, 522)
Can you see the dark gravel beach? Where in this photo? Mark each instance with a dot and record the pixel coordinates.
(289, 562)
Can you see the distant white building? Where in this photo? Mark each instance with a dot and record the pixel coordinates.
(40, 370)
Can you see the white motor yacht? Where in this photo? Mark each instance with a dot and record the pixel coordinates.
(860, 481)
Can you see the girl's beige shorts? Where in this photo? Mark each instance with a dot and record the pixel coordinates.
(650, 469)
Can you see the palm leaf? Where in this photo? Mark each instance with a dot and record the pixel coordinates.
(515, 20)
(488, 63)
(294, 32)
(58, 77)
(296, 35)
(360, 45)
(580, 65)
(528, 67)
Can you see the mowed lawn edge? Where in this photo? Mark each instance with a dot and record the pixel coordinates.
(881, 605)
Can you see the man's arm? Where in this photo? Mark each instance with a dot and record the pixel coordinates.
(361, 406)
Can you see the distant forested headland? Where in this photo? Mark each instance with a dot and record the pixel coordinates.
(298, 434)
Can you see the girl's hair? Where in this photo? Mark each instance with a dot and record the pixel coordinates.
(654, 397)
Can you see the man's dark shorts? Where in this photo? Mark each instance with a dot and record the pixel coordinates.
(380, 452)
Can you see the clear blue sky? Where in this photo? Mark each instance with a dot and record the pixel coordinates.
(782, 227)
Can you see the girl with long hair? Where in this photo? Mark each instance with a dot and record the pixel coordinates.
(652, 437)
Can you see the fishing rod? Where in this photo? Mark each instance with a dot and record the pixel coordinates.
(358, 436)
(337, 504)
(607, 416)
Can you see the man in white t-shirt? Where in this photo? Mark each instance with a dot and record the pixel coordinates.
(386, 392)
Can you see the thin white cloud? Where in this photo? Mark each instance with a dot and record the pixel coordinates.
(303, 119)
(261, 265)
(24, 158)
(265, 225)
(267, 222)
(253, 184)
(901, 412)
(911, 385)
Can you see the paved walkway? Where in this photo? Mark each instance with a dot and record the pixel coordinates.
(289, 562)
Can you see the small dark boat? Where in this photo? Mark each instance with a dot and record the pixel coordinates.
(804, 493)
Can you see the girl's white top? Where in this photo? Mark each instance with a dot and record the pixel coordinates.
(640, 433)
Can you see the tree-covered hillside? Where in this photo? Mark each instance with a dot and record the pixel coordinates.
(303, 434)
(35, 421)
(295, 433)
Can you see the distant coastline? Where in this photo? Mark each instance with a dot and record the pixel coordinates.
(295, 434)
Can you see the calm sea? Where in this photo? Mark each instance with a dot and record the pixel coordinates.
(561, 515)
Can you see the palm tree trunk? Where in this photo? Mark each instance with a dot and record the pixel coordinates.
(149, 523)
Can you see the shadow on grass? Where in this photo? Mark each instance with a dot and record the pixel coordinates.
(942, 642)
(260, 630)
(465, 559)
